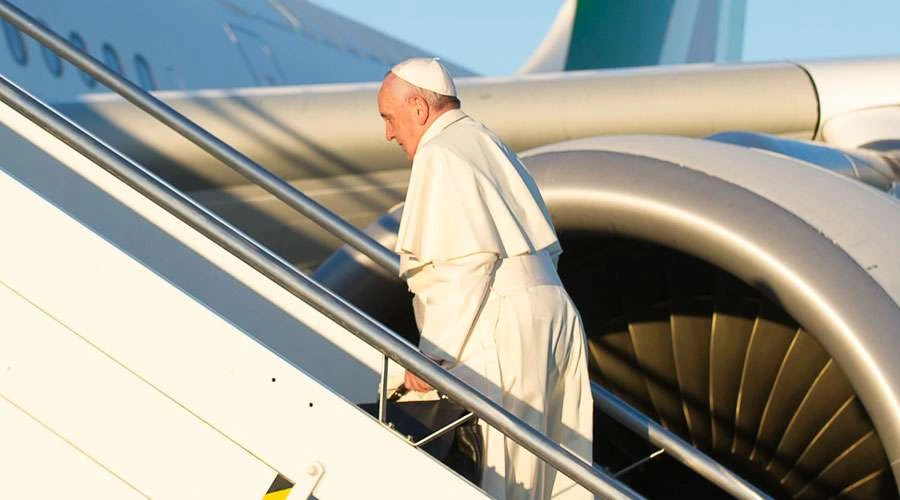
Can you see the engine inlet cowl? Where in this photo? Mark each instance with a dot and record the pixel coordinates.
(725, 301)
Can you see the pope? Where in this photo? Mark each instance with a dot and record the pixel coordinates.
(478, 250)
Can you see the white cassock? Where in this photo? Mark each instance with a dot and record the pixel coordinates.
(478, 250)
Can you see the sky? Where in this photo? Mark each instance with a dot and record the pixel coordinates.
(495, 37)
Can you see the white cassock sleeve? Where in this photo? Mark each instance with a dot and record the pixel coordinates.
(449, 296)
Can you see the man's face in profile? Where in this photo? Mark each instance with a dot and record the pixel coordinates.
(397, 109)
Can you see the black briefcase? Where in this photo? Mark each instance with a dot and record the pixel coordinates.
(461, 449)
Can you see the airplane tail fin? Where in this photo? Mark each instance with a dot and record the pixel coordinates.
(594, 34)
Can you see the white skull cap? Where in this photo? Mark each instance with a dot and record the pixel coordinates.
(427, 73)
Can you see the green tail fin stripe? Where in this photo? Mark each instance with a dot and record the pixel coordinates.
(625, 33)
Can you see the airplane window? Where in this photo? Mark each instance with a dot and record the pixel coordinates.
(111, 59)
(79, 42)
(144, 73)
(54, 63)
(16, 42)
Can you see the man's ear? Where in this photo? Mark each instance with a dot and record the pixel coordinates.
(422, 110)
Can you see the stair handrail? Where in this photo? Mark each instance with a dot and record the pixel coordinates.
(283, 273)
(677, 448)
(308, 290)
(231, 157)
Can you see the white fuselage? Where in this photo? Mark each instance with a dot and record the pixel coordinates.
(178, 45)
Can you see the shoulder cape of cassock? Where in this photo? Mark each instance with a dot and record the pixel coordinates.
(469, 193)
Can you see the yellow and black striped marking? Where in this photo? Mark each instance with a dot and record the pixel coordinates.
(280, 489)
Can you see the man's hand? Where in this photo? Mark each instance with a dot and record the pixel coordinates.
(414, 383)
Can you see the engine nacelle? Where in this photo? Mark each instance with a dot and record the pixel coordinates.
(787, 373)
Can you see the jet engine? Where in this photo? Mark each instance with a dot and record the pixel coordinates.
(746, 300)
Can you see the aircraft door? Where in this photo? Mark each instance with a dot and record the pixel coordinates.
(257, 55)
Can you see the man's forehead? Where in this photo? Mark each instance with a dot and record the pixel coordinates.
(388, 85)
(382, 99)
(388, 93)
(383, 89)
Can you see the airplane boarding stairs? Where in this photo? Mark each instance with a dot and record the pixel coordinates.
(151, 349)
(140, 358)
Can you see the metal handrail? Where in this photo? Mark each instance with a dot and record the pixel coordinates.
(309, 291)
(231, 157)
(282, 272)
(678, 448)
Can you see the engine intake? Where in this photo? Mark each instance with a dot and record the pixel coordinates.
(725, 298)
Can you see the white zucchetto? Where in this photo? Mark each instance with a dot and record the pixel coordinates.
(427, 73)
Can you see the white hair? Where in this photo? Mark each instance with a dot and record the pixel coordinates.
(437, 101)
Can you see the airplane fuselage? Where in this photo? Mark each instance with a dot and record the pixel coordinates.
(174, 45)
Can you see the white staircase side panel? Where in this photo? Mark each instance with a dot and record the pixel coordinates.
(198, 325)
(111, 415)
(176, 252)
(40, 464)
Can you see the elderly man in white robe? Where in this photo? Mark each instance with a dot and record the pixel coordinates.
(478, 249)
